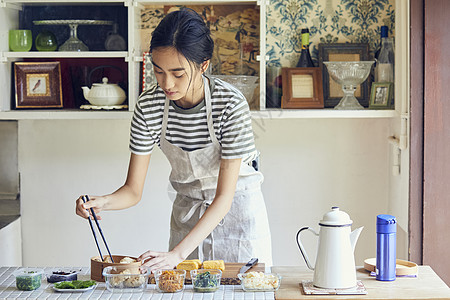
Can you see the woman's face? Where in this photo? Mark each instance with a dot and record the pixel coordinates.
(179, 79)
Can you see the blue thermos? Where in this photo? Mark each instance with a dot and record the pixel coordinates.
(386, 247)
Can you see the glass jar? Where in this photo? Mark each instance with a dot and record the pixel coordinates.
(46, 41)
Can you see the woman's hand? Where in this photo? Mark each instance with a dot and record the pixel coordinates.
(96, 202)
(160, 260)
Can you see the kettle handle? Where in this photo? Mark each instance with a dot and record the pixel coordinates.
(302, 249)
(103, 67)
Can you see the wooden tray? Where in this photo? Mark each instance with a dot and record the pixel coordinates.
(229, 275)
(403, 267)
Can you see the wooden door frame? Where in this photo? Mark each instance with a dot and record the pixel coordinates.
(417, 39)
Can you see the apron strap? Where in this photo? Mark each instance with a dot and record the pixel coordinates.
(165, 118)
(203, 206)
(208, 105)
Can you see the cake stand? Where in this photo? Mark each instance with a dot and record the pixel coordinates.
(73, 43)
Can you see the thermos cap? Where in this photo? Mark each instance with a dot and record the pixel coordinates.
(386, 224)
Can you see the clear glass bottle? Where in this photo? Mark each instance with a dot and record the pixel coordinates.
(384, 33)
(385, 64)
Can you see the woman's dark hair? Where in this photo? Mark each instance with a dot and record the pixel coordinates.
(185, 31)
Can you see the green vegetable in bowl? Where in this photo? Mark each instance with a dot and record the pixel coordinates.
(75, 284)
(206, 282)
(28, 283)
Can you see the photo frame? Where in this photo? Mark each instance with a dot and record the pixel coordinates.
(381, 95)
(148, 77)
(302, 88)
(37, 85)
(332, 91)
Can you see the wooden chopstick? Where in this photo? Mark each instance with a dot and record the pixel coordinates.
(99, 229)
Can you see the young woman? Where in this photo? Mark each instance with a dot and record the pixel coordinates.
(203, 126)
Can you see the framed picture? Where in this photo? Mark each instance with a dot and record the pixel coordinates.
(148, 77)
(381, 95)
(37, 84)
(332, 91)
(302, 88)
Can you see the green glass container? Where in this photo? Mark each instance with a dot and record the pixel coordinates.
(20, 40)
(46, 41)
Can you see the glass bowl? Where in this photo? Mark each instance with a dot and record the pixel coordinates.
(62, 274)
(28, 279)
(260, 282)
(244, 83)
(123, 280)
(206, 280)
(349, 74)
(170, 281)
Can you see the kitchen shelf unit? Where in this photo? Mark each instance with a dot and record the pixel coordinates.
(133, 57)
(74, 114)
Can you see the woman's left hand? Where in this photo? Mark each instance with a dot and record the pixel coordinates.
(160, 260)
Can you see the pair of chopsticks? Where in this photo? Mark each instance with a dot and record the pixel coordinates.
(85, 199)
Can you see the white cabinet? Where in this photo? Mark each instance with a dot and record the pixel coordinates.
(9, 13)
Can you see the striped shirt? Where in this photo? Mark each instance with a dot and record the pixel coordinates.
(188, 129)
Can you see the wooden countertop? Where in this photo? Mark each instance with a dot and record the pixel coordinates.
(427, 285)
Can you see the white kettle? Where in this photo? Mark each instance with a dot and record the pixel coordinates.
(104, 94)
(335, 262)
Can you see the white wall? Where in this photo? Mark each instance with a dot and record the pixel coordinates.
(309, 165)
(9, 174)
(11, 245)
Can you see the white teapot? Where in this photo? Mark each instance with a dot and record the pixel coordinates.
(335, 262)
(104, 94)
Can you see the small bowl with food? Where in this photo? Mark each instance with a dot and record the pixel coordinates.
(206, 280)
(98, 265)
(259, 281)
(62, 274)
(123, 280)
(170, 281)
(28, 279)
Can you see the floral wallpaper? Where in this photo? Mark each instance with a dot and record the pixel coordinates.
(329, 21)
(234, 29)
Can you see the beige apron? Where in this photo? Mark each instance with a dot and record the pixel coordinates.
(244, 232)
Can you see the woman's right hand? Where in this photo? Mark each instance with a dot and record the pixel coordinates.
(95, 202)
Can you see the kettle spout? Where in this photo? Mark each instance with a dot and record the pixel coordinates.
(354, 235)
(86, 91)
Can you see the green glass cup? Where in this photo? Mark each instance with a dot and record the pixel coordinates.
(46, 41)
(20, 40)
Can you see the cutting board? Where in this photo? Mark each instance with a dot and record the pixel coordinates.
(229, 275)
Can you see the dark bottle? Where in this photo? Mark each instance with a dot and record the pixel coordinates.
(305, 60)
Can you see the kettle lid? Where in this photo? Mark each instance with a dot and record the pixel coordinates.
(336, 218)
(104, 83)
